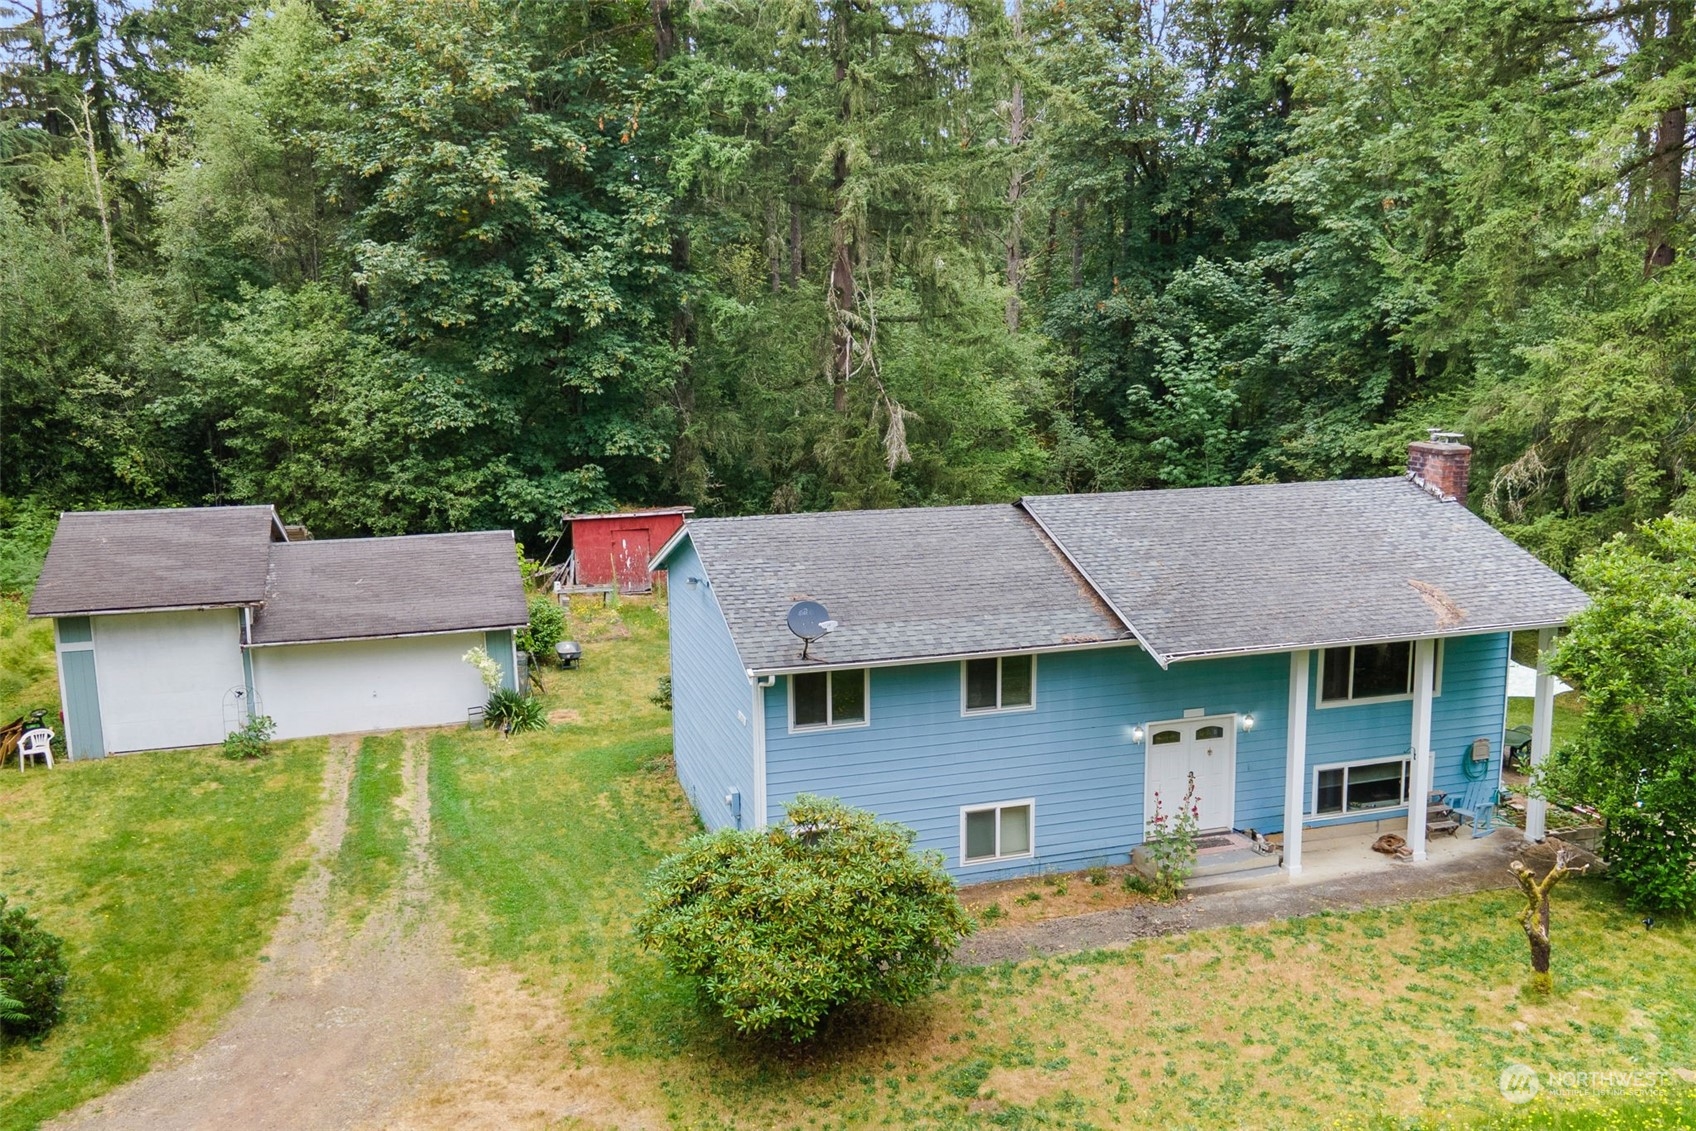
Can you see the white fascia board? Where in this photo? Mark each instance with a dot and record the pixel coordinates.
(941, 658)
(671, 544)
(1299, 646)
(148, 609)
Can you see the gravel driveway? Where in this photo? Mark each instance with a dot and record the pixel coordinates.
(341, 1025)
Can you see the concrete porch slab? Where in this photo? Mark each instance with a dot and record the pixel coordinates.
(1465, 866)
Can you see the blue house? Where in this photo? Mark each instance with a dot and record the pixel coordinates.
(1019, 683)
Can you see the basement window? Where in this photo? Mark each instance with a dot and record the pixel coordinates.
(829, 699)
(1360, 787)
(1002, 683)
(1003, 831)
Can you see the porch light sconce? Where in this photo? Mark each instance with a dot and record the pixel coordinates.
(1248, 723)
(1136, 734)
(692, 582)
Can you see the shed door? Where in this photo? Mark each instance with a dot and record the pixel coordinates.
(82, 704)
(630, 554)
(1203, 747)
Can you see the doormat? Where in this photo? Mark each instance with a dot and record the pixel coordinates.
(1221, 841)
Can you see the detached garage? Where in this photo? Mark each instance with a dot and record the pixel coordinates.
(176, 626)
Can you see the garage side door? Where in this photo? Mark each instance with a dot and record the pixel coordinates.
(164, 677)
(340, 688)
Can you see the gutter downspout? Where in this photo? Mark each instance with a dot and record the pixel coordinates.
(758, 726)
(247, 660)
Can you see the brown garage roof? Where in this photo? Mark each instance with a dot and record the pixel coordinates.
(361, 588)
(133, 561)
(221, 557)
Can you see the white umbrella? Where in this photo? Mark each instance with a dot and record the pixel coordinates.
(1522, 682)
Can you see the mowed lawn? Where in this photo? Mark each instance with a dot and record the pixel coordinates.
(165, 873)
(1365, 1019)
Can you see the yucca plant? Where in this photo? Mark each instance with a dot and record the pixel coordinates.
(514, 713)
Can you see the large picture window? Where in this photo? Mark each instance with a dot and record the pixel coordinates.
(997, 832)
(1002, 683)
(829, 699)
(1364, 672)
(1360, 787)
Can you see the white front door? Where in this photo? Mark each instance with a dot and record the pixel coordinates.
(1205, 747)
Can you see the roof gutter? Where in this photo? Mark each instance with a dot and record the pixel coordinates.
(1158, 657)
(388, 635)
(147, 609)
(1280, 649)
(942, 658)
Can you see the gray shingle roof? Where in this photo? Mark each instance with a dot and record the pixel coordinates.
(904, 584)
(1212, 570)
(112, 561)
(358, 588)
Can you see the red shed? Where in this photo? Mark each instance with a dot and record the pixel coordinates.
(608, 546)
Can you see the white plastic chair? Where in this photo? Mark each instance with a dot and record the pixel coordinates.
(36, 744)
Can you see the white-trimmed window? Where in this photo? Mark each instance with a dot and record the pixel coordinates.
(1003, 831)
(830, 699)
(1361, 787)
(997, 683)
(1372, 673)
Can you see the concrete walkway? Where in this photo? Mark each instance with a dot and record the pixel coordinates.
(1483, 868)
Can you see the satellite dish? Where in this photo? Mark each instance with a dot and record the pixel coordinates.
(810, 621)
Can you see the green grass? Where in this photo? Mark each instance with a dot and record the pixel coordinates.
(544, 837)
(1569, 717)
(373, 848)
(165, 873)
(27, 676)
(1569, 708)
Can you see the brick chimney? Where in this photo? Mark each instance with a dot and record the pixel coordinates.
(1441, 465)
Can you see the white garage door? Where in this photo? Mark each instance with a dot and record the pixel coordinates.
(164, 677)
(337, 688)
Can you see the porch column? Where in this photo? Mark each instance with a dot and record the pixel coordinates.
(1295, 763)
(1542, 730)
(1419, 788)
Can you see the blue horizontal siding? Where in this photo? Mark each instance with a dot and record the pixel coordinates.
(1474, 704)
(919, 761)
(712, 731)
(1471, 703)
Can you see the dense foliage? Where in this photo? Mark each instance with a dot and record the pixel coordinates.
(514, 712)
(33, 973)
(419, 264)
(1633, 654)
(546, 628)
(784, 927)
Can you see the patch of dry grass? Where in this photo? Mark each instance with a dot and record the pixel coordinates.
(1031, 899)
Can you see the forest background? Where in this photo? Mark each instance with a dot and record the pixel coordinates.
(414, 265)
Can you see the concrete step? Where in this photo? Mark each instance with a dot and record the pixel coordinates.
(1228, 858)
